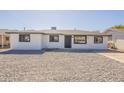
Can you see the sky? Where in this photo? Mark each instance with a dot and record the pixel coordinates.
(44, 19)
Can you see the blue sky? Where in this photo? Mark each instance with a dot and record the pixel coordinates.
(87, 20)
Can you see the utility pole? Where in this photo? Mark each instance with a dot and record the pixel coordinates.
(24, 28)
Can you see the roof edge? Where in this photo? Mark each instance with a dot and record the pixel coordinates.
(55, 33)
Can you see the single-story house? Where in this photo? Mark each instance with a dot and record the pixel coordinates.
(4, 39)
(54, 38)
(117, 37)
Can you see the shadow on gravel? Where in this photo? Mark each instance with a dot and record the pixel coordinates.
(82, 51)
(57, 50)
(23, 52)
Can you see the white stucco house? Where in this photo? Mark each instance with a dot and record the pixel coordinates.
(61, 39)
(117, 37)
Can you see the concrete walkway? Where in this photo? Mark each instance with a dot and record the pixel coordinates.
(116, 56)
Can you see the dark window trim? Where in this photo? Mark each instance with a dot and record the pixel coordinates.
(97, 42)
(83, 36)
(24, 41)
(53, 35)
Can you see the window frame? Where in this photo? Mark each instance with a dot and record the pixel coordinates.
(23, 40)
(50, 40)
(83, 36)
(98, 42)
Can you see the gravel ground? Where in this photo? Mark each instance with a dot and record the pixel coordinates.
(59, 66)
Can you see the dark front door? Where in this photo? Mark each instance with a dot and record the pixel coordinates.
(67, 41)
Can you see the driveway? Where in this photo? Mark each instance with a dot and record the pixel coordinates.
(59, 66)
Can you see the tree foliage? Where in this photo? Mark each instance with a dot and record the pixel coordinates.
(118, 26)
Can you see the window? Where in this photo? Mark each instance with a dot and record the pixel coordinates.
(80, 39)
(7, 38)
(54, 38)
(98, 39)
(24, 38)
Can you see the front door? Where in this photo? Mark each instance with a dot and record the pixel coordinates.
(67, 41)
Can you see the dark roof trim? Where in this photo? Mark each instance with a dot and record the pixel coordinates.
(77, 34)
(23, 33)
(55, 33)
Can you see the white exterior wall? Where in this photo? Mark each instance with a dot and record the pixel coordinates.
(118, 39)
(47, 44)
(34, 44)
(90, 44)
(116, 35)
(39, 41)
(119, 44)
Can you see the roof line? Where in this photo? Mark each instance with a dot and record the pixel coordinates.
(55, 33)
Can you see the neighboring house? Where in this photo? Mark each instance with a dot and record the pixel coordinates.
(39, 39)
(117, 37)
(4, 39)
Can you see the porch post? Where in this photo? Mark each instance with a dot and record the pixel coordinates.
(2, 40)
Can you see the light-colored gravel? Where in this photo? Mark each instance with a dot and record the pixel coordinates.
(59, 66)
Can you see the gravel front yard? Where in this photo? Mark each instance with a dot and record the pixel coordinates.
(59, 66)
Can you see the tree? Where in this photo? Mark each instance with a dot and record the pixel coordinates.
(118, 26)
